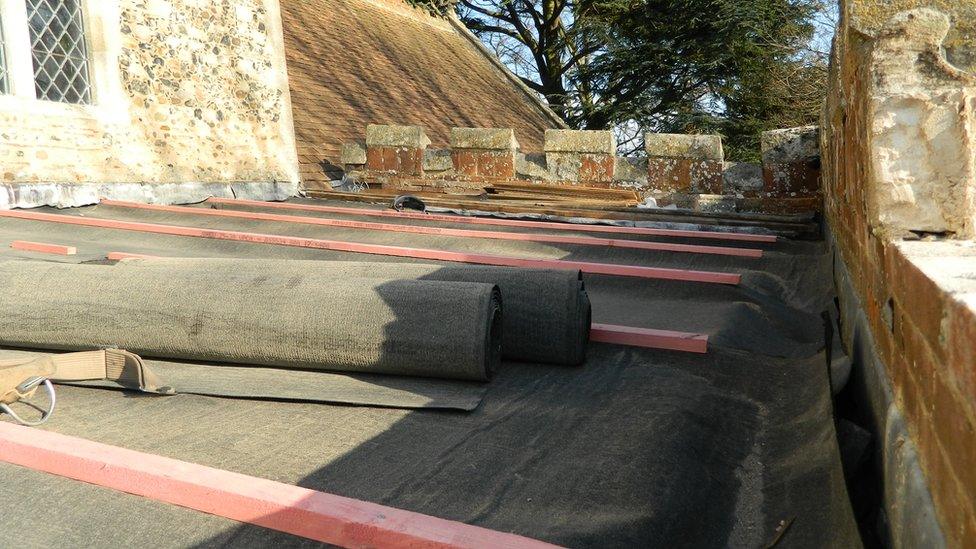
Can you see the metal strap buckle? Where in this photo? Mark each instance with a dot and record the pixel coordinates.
(25, 390)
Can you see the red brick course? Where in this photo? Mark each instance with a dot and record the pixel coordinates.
(669, 174)
(685, 175)
(597, 168)
(800, 178)
(400, 160)
(484, 164)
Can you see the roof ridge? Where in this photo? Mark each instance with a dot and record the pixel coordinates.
(401, 8)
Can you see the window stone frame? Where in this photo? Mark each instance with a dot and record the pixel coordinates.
(69, 79)
(102, 21)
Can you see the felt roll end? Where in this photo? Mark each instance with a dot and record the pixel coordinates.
(493, 341)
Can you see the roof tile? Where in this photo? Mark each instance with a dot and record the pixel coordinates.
(356, 62)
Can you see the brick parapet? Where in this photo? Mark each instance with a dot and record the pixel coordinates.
(689, 164)
(887, 178)
(484, 153)
(687, 171)
(791, 162)
(395, 149)
(581, 155)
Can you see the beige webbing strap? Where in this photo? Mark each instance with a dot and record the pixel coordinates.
(125, 368)
(21, 378)
(122, 367)
(13, 374)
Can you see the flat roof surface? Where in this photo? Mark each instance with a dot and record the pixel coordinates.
(636, 447)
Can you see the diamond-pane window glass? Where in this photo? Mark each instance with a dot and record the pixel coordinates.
(4, 87)
(57, 33)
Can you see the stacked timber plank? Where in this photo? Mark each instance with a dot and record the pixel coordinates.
(511, 193)
(794, 225)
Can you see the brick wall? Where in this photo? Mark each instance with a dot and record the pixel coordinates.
(183, 92)
(898, 153)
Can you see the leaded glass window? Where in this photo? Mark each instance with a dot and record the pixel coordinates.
(57, 33)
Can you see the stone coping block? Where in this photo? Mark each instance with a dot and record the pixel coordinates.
(687, 146)
(488, 139)
(870, 17)
(791, 145)
(922, 143)
(581, 141)
(412, 137)
(353, 153)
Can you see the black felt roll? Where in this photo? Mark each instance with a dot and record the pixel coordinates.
(547, 312)
(430, 328)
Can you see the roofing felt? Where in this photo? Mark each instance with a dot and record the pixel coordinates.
(357, 62)
(636, 447)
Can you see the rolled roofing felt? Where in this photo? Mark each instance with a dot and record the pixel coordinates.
(547, 313)
(429, 328)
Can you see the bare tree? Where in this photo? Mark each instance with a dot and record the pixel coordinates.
(539, 39)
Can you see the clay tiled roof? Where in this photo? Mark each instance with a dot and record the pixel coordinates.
(358, 62)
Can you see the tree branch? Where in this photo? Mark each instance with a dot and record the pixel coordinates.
(576, 58)
(478, 26)
(535, 86)
(483, 11)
